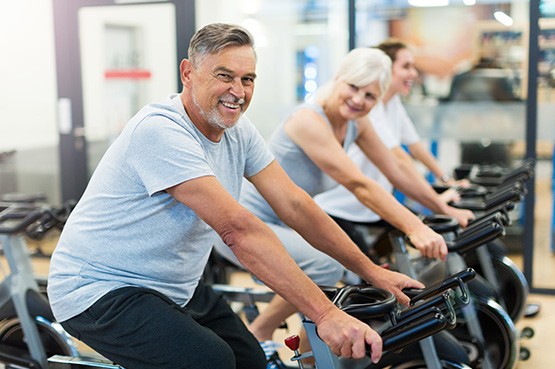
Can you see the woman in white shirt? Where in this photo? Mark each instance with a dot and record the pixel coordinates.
(395, 128)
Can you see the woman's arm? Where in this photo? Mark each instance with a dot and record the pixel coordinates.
(403, 175)
(423, 155)
(315, 137)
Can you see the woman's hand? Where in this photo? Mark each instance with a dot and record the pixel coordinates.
(395, 283)
(429, 243)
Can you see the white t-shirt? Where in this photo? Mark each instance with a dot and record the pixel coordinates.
(395, 128)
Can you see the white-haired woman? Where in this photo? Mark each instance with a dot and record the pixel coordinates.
(311, 146)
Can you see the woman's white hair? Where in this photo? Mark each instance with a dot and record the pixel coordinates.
(361, 67)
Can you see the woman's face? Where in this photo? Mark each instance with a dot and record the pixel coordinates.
(403, 73)
(356, 102)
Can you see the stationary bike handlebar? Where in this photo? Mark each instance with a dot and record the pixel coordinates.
(501, 210)
(470, 240)
(458, 280)
(52, 217)
(484, 230)
(395, 337)
(35, 220)
(366, 302)
(401, 335)
(435, 313)
(16, 217)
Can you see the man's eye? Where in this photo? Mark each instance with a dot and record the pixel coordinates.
(225, 77)
(247, 81)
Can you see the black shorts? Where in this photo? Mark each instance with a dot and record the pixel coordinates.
(139, 328)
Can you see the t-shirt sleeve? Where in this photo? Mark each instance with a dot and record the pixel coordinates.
(384, 132)
(164, 154)
(258, 156)
(409, 135)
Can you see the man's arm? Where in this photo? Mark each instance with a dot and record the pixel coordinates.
(261, 252)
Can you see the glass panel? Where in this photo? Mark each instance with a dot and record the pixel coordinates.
(128, 58)
(298, 44)
(486, 126)
(544, 249)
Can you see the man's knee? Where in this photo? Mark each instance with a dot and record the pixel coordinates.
(255, 360)
(222, 357)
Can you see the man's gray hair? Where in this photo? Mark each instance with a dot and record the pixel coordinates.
(215, 37)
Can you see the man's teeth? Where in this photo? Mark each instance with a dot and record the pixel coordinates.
(230, 105)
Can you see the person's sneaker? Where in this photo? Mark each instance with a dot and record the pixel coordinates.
(270, 349)
(531, 310)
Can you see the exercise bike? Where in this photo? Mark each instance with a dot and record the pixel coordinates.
(29, 336)
(432, 310)
(28, 333)
(441, 351)
(485, 329)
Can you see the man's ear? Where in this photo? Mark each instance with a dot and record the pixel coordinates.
(185, 69)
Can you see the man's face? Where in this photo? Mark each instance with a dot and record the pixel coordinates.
(222, 86)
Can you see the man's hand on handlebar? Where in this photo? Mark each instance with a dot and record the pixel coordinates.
(348, 337)
(429, 243)
(395, 283)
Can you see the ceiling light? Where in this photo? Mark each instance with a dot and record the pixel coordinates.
(424, 3)
(503, 18)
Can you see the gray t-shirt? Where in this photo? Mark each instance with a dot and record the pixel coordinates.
(300, 168)
(127, 231)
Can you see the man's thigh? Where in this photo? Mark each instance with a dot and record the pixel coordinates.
(140, 328)
(211, 310)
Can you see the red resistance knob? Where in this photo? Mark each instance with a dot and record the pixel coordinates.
(293, 342)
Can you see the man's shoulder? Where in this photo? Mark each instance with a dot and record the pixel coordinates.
(170, 108)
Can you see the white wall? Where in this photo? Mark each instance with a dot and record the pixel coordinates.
(27, 75)
(278, 34)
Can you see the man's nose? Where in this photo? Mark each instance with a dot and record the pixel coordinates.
(237, 88)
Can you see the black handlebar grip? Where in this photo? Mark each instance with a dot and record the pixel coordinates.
(442, 304)
(456, 280)
(486, 234)
(397, 337)
(14, 218)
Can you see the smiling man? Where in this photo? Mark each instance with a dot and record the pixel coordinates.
(125, 275)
